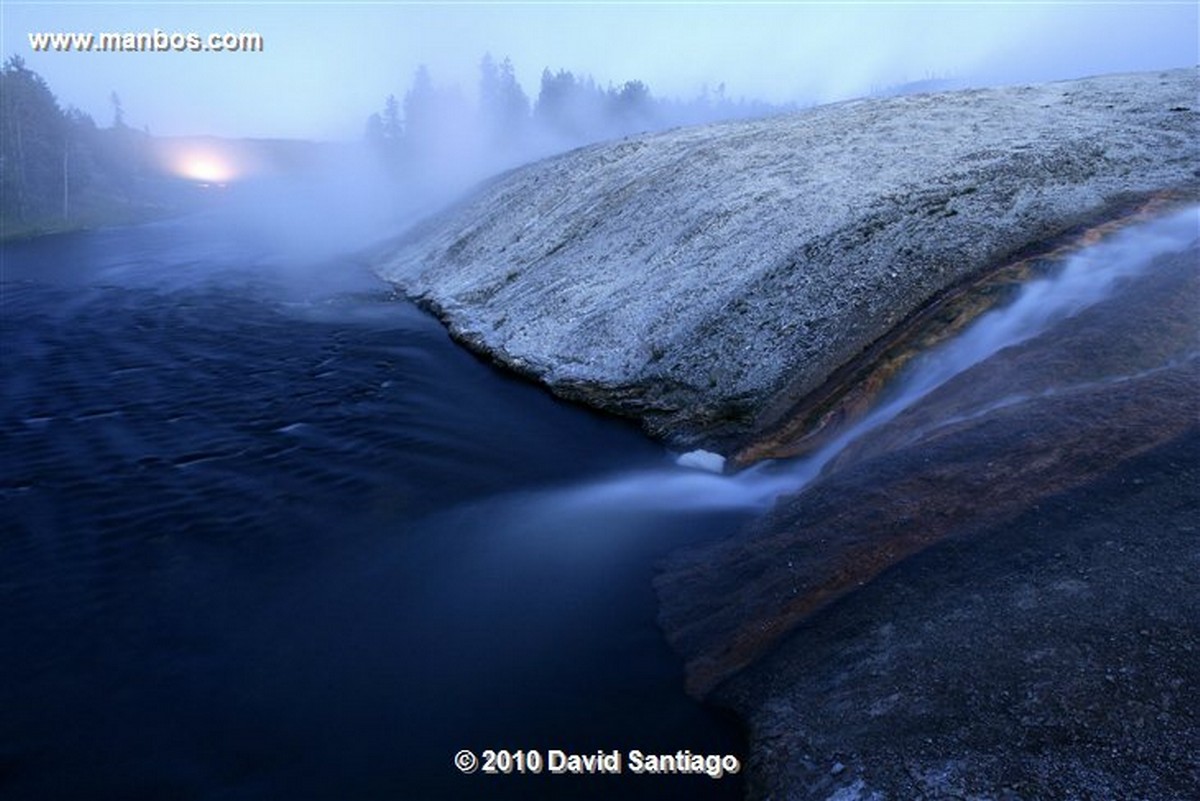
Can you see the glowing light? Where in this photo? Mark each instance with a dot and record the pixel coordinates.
(210, 161)
(205, 167)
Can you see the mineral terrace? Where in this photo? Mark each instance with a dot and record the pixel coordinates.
(705, 279)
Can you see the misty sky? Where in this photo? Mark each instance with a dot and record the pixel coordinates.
(328, 65)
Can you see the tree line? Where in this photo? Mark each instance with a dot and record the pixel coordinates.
(56, 165)
(432, 127)
(58, 169)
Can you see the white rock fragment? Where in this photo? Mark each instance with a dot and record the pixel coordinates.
(702, 460)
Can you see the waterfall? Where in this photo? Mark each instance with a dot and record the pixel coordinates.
(1087, 277)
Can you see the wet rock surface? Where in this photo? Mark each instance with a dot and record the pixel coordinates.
(705, 279)
(992, 595)
(1049, 414)
(855, 388)
(1052, 656)
(995, 594)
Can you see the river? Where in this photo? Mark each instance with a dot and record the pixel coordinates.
(269, 533)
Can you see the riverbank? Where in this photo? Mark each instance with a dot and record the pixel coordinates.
(753, 289)
(155, 200)
(15, 231)
(705, 280)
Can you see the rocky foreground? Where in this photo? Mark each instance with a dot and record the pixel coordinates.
(992, 596)
(703, 280)
(1052, 656)
(995, 596)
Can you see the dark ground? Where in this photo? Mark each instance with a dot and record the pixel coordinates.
(1053, 657)
(994, 595)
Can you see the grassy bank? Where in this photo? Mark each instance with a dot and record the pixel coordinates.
(95, 210)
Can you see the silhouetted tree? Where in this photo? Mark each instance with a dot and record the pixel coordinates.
(420, 111)
(489, 86)
(34, 143)
(118, 110)
(56, 164)
(79, 163)
(631, 108)
(373, 133)
(503, 105)
(513, 105)
(392, 128)
(384, 132)
(571, 108)
(439, 128)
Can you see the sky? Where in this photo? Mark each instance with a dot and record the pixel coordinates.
(326, 66)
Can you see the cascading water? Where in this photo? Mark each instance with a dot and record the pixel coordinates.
(298, 512)
(1087, 277)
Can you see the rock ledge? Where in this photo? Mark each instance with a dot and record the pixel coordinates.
(704, 279)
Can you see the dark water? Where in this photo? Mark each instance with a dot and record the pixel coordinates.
(265, 532)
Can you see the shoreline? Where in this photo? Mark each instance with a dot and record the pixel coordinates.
(29, 232)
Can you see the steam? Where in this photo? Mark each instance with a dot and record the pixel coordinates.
(323, 69)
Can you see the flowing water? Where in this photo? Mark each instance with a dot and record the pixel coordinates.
(1086, 278)
(269, 533)
(266, 532)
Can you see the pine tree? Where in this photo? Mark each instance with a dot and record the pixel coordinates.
(513, 104)
(392, 128)
(420, 110)
(32, 170)
(503, 105)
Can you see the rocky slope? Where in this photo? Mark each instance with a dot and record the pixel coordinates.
(1048, 657)
(992, 594)
(705, 279)
(1039, 417)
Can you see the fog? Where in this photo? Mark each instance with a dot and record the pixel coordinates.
(325, 67)
(561, 76)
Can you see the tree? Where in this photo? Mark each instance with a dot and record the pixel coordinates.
(118, 110)
(631, 108)
(554, 98)
(512, 104)
(503, 105)
(489, 88)
(373, 134)
(420, 110)
(562, 104)
(391, 126)
(32, 159)
(384, 130)
(78, 163)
